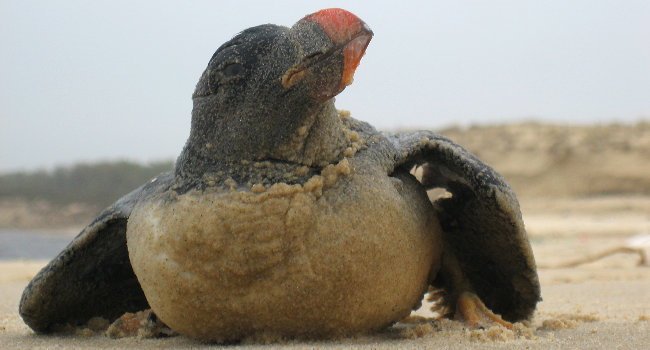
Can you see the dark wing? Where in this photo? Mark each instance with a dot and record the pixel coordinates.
(482, 225)
(92, 276)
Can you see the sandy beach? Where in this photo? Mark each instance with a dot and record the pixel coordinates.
(596, 305)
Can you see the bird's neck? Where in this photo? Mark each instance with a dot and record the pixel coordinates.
(216, 143)
(319, 141)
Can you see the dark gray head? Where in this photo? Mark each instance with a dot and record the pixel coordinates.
(266, 83)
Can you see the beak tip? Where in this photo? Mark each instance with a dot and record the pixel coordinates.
(367, 30)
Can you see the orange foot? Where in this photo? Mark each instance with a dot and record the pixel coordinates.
(472, 311)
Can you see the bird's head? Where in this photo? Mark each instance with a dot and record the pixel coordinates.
(313, 60)
(269, 81)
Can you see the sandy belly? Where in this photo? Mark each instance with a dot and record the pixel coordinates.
(292, 261)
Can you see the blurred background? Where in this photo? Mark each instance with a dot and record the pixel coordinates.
(95, 99)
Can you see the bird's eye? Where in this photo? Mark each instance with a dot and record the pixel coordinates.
(232, 69)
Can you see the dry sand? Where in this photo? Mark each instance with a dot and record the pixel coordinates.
(599, 305)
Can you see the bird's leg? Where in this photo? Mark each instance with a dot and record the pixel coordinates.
(471, 310)
(465, 305)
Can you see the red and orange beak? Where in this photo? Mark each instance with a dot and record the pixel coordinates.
(344, 28)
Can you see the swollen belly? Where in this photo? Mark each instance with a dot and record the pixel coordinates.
(224, 265)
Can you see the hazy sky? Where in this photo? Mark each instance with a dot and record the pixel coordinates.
(88, 80)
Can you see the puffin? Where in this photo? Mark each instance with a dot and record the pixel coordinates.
(284, 216)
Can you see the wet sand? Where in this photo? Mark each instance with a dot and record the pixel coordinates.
(598, 305)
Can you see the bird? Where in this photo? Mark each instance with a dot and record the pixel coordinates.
(285, 216)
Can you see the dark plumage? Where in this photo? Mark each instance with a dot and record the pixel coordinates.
(285, 217)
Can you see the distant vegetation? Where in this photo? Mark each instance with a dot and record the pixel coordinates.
(98, 184)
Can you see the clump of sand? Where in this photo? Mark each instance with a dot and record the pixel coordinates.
(143, 324)
(414, 327)
(94, 326)
(566, 321)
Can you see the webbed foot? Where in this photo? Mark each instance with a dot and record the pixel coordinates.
(471, 310)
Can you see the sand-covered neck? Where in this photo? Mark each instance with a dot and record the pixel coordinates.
(319, 141)
(217, 141)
